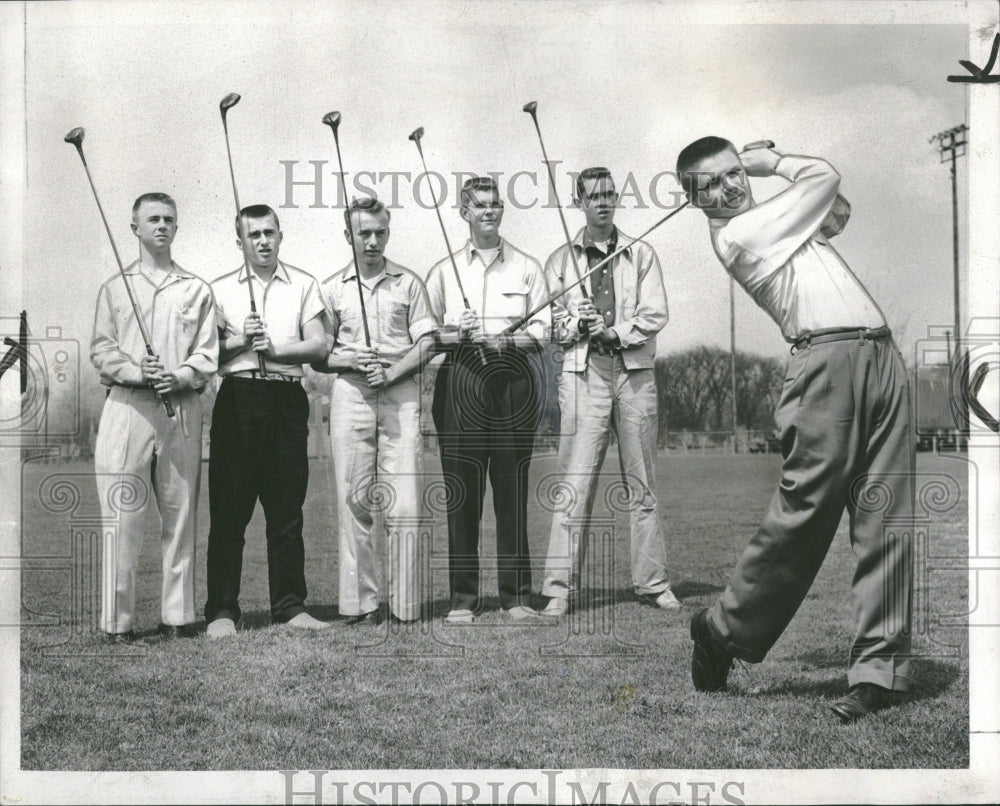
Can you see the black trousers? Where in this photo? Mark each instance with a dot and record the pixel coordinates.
(259, 434)
(485, 419)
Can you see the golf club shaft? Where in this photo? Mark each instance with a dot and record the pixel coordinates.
(592, 270)
(354, 251)
(167, 405)
(454, 266)
(243, 237)
(555, 194)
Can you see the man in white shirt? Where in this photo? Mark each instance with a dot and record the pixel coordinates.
(259, 424)
(844, 417)
(136, 438)
(486, 415)
(608, 337)
(375, 415)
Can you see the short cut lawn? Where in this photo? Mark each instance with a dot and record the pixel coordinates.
(609, 687)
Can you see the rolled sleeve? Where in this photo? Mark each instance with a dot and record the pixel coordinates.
(422, 319)
(312, 303)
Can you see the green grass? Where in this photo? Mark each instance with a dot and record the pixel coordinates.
(491, 694)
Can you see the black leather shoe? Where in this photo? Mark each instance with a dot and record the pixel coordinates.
(710, 663)
(864, 699)
(171, 631)
(373, 618)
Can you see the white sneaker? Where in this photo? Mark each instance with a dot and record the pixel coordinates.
(221, 628)
(521, 613)
(556, 607)
(303, 621)
(460, 617)
(667, 601)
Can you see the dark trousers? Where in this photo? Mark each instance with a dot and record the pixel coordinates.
(847, 442)
(485, 419)
(259, 433)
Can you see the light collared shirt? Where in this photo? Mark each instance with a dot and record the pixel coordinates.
(396, 308)
(640, 301)
(179, 314)
(288, 300)
(503, 293)
(776, 252)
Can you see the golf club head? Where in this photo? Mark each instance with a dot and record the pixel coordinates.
(75, 136)
(530, 107)
(228, 103)
(416, 134)
(332, 119)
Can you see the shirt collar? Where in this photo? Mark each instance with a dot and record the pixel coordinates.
(175, 273)
(471, 250)
(390, 269)
(583, 240)
(280, 273)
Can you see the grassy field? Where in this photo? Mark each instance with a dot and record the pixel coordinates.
(610, 688)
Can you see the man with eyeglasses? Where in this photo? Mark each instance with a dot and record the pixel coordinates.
(608, 336)
(486, 415)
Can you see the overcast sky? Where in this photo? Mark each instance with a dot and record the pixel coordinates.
(620, 84)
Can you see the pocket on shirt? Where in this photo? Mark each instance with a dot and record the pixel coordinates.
(510, 303)
(399, 319)
(187, 320)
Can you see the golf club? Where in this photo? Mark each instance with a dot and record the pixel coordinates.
(75, 137)
(415, 137)
(532, 109)
(225, 105)
(605, 261)
(332, 119)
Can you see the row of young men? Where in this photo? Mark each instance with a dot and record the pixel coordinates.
(486, 406)
(843, 413)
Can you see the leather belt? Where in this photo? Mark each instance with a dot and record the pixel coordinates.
(270, 376)
(142, 387)
(862, 334)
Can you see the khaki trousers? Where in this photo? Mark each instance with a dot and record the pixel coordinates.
(139, 449)
(846, 439)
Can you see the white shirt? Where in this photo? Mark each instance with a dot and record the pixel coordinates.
(285, 303)
(179, 315)
(396, 308)
(503, 292)
(776, 252)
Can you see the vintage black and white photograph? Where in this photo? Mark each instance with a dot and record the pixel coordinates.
(513, 402)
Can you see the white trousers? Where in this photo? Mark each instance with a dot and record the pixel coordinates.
(369, 427)
(140, 451)
(606, 398)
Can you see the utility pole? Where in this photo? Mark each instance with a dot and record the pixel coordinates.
(951, 145)
(732, 355)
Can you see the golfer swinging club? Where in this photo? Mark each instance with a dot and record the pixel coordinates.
(844, 417)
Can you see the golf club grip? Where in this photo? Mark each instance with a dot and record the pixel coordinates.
(262, 368)
(167, 405)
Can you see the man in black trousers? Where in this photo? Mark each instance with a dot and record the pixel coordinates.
(259, 424)
(486, 415)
